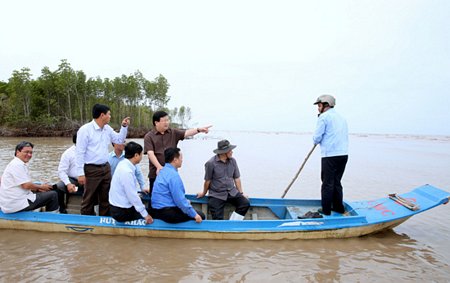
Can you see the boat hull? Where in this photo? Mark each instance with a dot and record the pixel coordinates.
(268, 219)
(200, 234)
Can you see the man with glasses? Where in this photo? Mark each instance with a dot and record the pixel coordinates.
(17, 192)
(162, 137)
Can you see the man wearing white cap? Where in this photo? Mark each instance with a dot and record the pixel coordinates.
(332, 135)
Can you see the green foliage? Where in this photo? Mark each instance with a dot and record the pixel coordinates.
(181, 116)
(67, 95)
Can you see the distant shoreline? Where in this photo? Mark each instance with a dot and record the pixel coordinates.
(57, 132)
(136, 133)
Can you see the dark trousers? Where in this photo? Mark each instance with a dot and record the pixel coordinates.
(216, 206)
(332, 192)
(61, 186)
(96, 189)
(124, 214)
(48, 199)
(173, 215)
(63, 193)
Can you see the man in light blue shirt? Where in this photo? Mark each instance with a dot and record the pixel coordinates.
(125, 203)
(332, 135)
(116, 156)
(169, 202)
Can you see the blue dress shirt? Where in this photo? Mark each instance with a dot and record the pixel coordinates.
(168, 191)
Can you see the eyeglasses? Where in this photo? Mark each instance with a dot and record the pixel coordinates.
(27, 151)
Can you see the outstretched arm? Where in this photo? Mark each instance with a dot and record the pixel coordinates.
(193, 132)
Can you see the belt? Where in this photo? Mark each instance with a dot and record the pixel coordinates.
(98, 165)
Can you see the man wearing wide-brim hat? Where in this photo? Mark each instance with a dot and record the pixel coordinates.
(222, 180)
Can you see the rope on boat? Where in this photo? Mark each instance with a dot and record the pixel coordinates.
(406, 203)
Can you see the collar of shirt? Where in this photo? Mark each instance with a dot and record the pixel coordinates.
(158, 133)
(170, 166)
(20, 161)
(217, 159)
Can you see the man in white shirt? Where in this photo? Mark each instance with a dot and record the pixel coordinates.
(67, 174)
(93, 170)
(17, 192)
(126, 205)
(116, 156)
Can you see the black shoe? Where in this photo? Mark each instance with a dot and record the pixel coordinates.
(310, 214)
(63, 211)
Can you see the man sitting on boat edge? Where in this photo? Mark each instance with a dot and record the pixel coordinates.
(116, 156)
(17, 192)
(168, 200)
(67, 173)
(125, 203)
(223, 181)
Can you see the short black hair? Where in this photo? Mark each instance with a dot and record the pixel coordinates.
(21, 145)
(171, 153)
(158, 115)
(131, 148)
(98, 109)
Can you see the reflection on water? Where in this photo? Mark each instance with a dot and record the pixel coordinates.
(388, 255)
(378, 165)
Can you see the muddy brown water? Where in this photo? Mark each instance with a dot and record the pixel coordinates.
(417, 250)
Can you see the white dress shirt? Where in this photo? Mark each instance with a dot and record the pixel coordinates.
(67, 167)
(114, 161)
(93, 142)
(123, 188)
(13, 197)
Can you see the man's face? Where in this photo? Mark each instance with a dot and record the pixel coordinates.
(25, 154)
(229, 154)
(106, 117)
(163, 124)
(139, 158)
(320, 107)
(119, 147)
(179, 161)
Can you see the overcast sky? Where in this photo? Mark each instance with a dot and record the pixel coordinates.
(253, 65)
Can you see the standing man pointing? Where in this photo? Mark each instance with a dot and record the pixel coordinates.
(332, 135)
(162, 137)
(94, 171)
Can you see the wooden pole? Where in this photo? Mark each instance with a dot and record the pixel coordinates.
(298, 172)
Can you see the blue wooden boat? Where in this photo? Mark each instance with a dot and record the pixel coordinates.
(267, 219)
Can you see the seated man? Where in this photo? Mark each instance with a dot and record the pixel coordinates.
(17, 192)
(125, 203)
(169, 202)
(222, 179)
(117, 155)
(67, 174)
